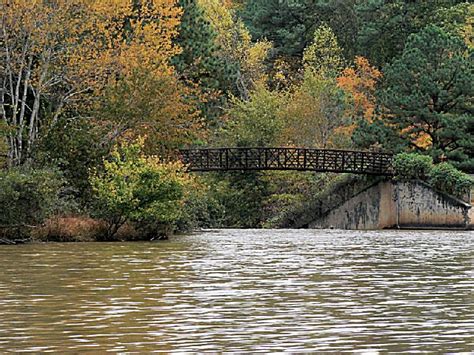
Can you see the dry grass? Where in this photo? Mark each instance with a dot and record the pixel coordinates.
(80, 229)
(70, 229)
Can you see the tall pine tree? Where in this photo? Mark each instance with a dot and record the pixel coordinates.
(290, 25)
(427, 99)
(384, 25)
(199, 61)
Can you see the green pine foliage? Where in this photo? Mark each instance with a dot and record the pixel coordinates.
(384, 26)
(458, 20)
(290, 25)
(429, 92)
(426, 101)
(198, 61)
(375, 29)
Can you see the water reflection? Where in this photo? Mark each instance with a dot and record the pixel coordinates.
(241, 290)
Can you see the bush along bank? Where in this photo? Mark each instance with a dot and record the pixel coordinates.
(140, 197)
(443, 177)
(134, 197)
(27, 198)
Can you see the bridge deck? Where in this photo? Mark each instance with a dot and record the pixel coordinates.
(300, 159)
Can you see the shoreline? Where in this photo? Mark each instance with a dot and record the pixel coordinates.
(131, 238)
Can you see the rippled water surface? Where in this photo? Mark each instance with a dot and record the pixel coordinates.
(243, 290)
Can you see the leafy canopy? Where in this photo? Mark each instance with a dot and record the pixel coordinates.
(323, 55)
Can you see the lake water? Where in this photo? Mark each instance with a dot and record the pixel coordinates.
(243, 291)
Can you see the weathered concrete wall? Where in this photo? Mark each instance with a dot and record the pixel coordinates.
(316, 206)
(398, 205)
(421, 206)
(373, 208)
(471, 218)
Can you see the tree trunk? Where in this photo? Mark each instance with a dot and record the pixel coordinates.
(21, 118)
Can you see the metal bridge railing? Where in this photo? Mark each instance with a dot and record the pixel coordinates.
(299, 159)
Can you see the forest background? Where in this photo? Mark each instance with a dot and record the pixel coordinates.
(96, 96)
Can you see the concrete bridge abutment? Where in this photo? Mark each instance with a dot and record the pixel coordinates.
(395, 204)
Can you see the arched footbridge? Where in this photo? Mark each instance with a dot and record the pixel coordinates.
(298, 159)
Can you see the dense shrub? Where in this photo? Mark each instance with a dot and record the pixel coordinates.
(409, 166)
(443, 177)
(27, 198)
(201, 209)
(74, 145)
(139, 189)
(447, 178)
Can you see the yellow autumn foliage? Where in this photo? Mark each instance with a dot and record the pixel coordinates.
(315, 115)
(93, 39)
(71, 52)
(235, 43)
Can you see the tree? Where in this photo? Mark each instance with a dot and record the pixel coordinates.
(57, 53)
(3, 144)
(458, 20)
(256, 122)
(360, 83)
(30, 36)
(235, 46)
(386, 25)
(122, 35)
(428, 92)
(199, 62)
(158, 107)
(74, 145)
(290, 25)
(316, 114)
(323, 55)
(139, 189)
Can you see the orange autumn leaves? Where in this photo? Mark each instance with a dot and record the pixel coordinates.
(147, 99)
(95, 38)
(77, 52)
(323, 111)
(127, 36)
(310, 113)
(360, 82)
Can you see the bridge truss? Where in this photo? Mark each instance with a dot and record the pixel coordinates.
(299, 159)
